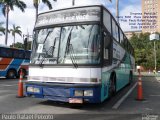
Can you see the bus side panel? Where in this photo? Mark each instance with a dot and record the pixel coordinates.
(122, 73)
(121, 65)
(4, 65)
(105, 84)
(121, 61)
(15, 64)
(10, 63)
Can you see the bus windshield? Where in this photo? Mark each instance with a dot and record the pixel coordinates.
(78, 44)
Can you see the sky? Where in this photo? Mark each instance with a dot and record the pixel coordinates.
(27, 19)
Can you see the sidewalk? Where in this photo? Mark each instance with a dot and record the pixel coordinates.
(151, 74)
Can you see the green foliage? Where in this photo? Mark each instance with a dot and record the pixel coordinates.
(21, 45)
(6, 6)
(17, 45)
(2, 29)
(46, 2)
(15, 30)
(9, 5)
(144, 50)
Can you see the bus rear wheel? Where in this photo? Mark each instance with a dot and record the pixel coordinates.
(130, 78)
(11, 74)
(112, 86)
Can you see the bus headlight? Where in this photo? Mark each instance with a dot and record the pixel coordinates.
(78, 93)
(33, 90)
(36, 90)
(88, 92)
(30, 89)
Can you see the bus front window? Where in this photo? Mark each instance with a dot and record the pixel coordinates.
(80, 43)
(68, 45)
(45, 46)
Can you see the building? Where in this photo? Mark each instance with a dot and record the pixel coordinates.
(130, 33)
(151, 16)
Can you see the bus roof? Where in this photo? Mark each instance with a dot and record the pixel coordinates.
(70, 15)
(4, 46)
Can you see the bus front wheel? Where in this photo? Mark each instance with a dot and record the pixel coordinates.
(11, 74)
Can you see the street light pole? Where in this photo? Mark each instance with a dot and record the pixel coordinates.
(73, 2)
(155, 37)
(155, 56)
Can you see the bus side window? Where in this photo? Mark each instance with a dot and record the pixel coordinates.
(18, 54)
(27, 54)
(106, 49)
(6, 53)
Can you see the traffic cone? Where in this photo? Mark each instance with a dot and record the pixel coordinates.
(139, 89)
(20, 85)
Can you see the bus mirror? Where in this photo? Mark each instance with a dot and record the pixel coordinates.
(50, 30)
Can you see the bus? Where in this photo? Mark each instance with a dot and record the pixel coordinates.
(13, 60)
(79, 55)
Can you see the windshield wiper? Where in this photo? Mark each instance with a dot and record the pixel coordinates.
(41, 62)
(43, 57)
(72, 56)
(70, 50)
(49, 53)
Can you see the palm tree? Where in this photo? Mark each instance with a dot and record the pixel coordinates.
(15, 30)
(2, 29)
(36, 5)
(8, 5)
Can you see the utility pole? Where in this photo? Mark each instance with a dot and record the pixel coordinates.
(117, 10)
(73, 2)
(155, 37)
(155, 56)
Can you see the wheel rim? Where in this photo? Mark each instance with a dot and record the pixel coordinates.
(11, 74)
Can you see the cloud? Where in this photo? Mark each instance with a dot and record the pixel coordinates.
(68, 3)
(27, 20)
(127, 12)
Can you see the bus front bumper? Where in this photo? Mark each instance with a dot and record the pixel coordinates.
(71, 93)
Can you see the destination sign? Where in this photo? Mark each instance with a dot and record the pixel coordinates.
(69, 16)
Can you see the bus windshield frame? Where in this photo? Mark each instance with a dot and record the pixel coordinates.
(76, 45)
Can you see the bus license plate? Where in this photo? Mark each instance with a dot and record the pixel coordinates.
(75, 100)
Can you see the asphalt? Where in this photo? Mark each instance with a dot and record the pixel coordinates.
(130, 109)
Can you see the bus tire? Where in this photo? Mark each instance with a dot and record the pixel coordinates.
(11, 74)
(130, 78)
(112, 87)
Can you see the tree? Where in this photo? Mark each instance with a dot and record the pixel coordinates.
(17, 45)
(2, 29)
(144, 53)
(36, 5)
(21, 45)
(15, 30)
(8, 5)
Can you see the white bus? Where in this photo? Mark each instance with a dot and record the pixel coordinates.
(79, 55)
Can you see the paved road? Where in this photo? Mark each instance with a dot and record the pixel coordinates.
(130, 109)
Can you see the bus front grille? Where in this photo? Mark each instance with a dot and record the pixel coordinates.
(56, 92)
